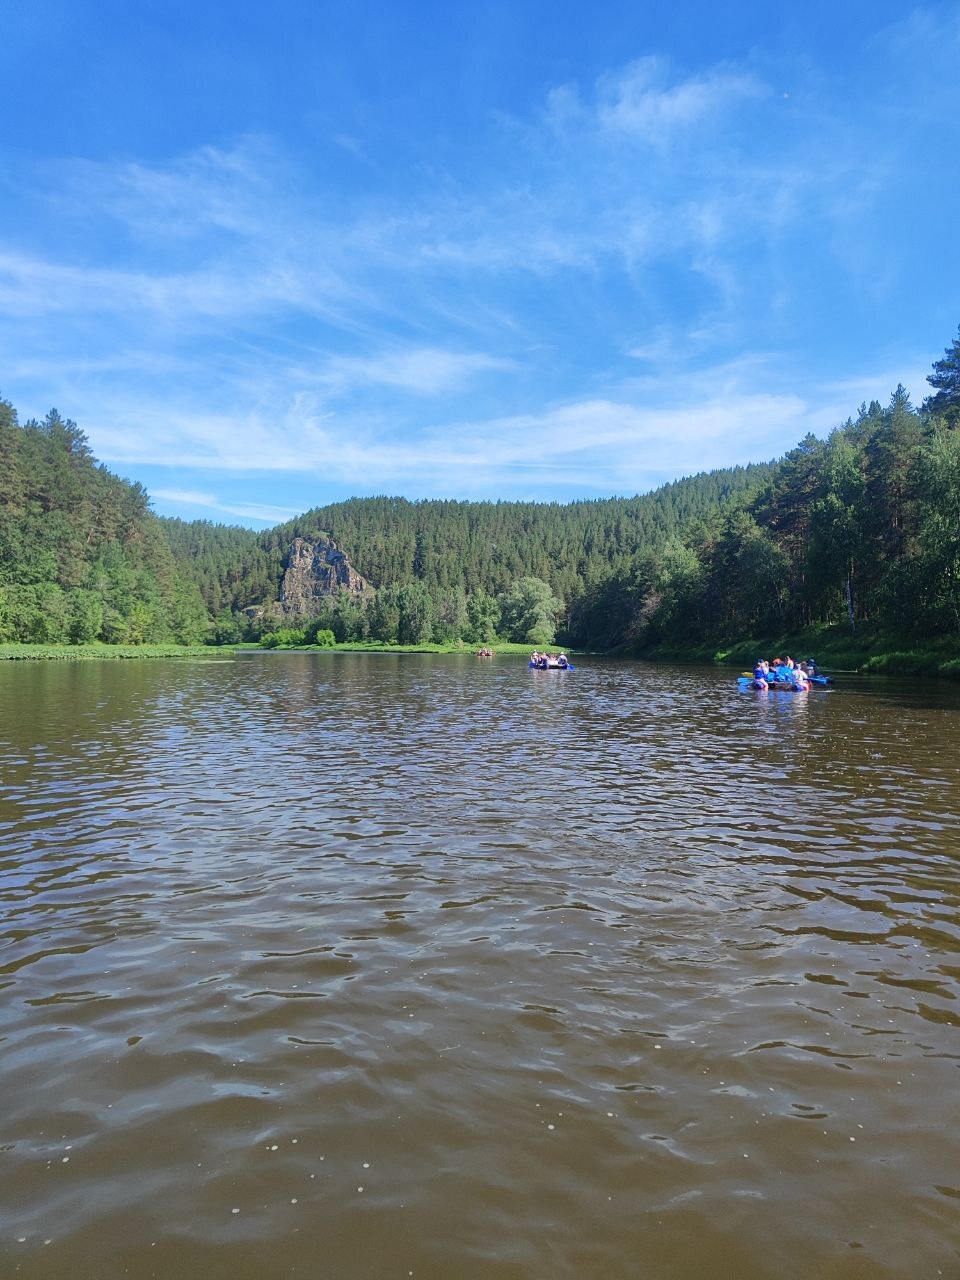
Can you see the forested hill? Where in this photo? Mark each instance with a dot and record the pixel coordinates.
(82, 557)
(860, 528)
(489, 545)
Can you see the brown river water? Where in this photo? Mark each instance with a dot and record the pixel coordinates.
(362, 966)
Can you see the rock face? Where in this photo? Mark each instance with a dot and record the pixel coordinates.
(314, 571)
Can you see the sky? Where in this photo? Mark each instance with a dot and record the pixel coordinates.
(270, 256)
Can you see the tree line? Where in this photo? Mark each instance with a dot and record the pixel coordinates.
(82, 556)
(862, 527)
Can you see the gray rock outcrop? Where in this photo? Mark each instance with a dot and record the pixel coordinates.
(315, 571)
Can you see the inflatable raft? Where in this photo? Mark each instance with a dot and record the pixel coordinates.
(786, 686)
(551, 665)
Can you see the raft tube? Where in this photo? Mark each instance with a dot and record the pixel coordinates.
(746, 681)
(782, 686)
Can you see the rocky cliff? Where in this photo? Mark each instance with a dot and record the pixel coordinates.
(314, 571)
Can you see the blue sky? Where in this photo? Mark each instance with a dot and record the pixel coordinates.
(273, 255)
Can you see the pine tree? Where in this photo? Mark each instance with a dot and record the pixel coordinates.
(946, 378)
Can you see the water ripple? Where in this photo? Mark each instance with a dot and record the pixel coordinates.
(425, 966)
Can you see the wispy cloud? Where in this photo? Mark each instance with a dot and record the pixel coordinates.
(260, 512)
(641, 100)
(428, 370)
(562, 309)
(654, 429)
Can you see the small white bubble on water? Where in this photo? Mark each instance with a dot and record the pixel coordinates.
(359, 1188)
(366, 1164)
(551, 1126)
(65, 1160)
(234, 1210)
(294, 1200)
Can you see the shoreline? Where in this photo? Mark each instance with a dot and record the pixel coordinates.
(833, 647)
(835, 651)
(111, 652)
(121, 652)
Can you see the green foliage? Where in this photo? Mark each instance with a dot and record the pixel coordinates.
(415, 624)
(284, 638)
(861, 530)
(483, 615)
(226, 629)
(905, 663)
(491, 545)
(528, 613)
(82, 557)
(945, 403)
(85, 609)
(83, 652)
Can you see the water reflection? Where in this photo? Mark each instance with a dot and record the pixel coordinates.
(563, 971)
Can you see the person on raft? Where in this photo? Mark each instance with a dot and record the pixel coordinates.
(780, 675)
(562, 660)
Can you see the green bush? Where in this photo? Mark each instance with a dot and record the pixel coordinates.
(282, 638)
(902, 663)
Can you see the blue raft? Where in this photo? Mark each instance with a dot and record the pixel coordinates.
(785, 686)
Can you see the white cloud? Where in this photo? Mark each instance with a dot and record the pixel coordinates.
(426, 370)
(232, 190)
(620, 444)
(222, 291)
(263, 513)
(640, 102)
(227, 312)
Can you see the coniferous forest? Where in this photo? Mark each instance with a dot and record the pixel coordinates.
(860, 530)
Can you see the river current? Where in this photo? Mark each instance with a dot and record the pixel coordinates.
(373, 966)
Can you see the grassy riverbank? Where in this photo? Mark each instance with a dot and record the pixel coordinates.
(833, 647)
(84, 652)
(377, 646)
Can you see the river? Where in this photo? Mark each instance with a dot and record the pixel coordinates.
(372, 966)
